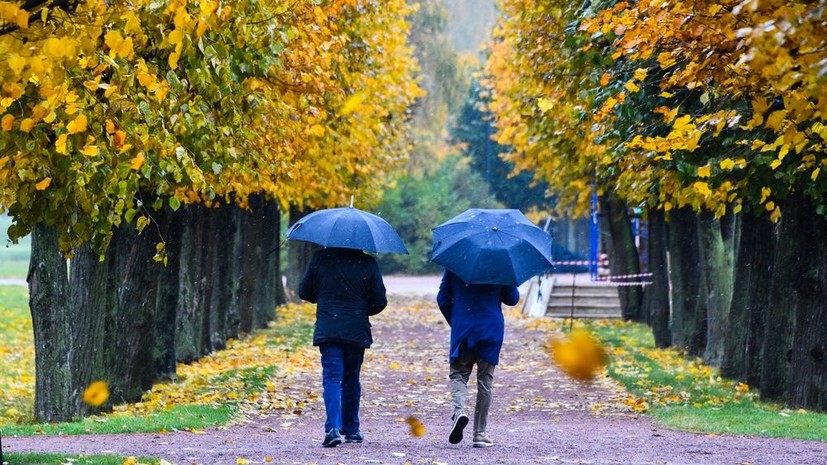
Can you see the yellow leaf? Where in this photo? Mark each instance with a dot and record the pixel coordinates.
(173, 59)
(60, 144)
(544, 104)
(90, 150)
(775, 163)
(665, 94)
(604, 79)
(42, 185)
(7, 122)
(97, 393)
(776, 119)
(765, 192)
(130, 461)
(77, 125)
(703, 171)
(702, 188)
(727, 164)
(579, 355)
(814, 175)
(352, 103)
(138, 161)
(317, 130)
(770, 206)
(241, 461)
(631, 86)
(640, 74)
(26, 125)
(417, 427)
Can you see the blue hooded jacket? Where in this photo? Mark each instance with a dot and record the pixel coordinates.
(474, 312)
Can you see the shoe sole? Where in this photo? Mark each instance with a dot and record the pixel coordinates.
(483, 444)
(353, 441)
(333, 443)
(456, 432)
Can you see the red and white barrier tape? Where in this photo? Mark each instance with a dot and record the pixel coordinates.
(625, 276)
(572, 263)
(622, 283)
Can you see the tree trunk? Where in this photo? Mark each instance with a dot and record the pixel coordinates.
(133, 273)
(776, 351)
(623, 256)
(268, 240)
(752, 279)
(658, 292)
(808, 367)
(93, 323)
(688, 308)
(168, 284)
(717, 275)
(190, 315)
(54, 393)
(299, 254)
(219, 231)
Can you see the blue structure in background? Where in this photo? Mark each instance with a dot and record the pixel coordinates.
(594, 238)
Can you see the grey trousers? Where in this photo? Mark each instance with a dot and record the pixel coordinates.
(460, 373)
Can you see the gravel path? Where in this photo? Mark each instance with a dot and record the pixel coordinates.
(539, 416)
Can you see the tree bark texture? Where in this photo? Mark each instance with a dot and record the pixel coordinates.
(623, 256)
(716, 270)
(191, 312)
(658, 291)
(750, 298)
(299, 254)
(776, 350)
(48, 282)
(808, 367)
(166, 300)
(93, 322)
(688, 306)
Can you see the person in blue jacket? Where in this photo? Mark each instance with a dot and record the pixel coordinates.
(347, 288)
(474, 312)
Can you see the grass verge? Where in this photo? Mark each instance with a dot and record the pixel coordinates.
(63, 459)
(683, 393)
(14, 258)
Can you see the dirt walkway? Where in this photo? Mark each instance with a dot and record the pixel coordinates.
(538, 416)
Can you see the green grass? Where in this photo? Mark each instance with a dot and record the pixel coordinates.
(178, 418)
(684, 394)
(63, 459)
(14, 258)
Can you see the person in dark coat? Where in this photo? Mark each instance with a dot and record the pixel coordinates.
(474, 312)
(347, 288)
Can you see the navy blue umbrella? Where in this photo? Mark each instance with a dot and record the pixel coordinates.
(492, 247)
(349, 228)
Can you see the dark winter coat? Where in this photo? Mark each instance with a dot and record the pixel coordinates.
(347, 288)
(474, 312)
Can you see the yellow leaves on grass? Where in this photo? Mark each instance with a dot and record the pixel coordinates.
(417, 427)
(579, 355)
(96, 394)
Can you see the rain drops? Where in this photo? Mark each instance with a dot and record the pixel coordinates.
(417, 427)
(96, 394)
(579, 355)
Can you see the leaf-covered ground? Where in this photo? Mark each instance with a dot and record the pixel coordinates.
(538, 416)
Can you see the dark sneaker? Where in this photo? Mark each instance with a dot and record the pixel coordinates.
(332, 438)
(354, 438)
(481, 440)
(460, 422)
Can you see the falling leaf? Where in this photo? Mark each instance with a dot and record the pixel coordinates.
(579, 355)
(417, 427)
(97, 393)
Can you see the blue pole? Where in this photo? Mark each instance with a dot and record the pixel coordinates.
(593, 238)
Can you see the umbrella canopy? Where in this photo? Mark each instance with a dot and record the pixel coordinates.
(348, 228)
(492, 247)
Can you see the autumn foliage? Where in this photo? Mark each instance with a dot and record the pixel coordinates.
(194, 101)
(714, 105)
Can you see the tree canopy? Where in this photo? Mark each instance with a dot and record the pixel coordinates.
(707, 104)
(109, 108)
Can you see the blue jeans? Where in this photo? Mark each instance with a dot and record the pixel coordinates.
(341, 364)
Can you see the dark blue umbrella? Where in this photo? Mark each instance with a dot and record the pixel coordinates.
(492, 247)
(349, 228)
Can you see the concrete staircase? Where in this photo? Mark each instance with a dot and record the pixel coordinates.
(587, 299)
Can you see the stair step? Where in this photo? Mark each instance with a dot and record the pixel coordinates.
(582, 301)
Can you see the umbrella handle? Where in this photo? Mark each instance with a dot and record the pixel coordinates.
(277, 248)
